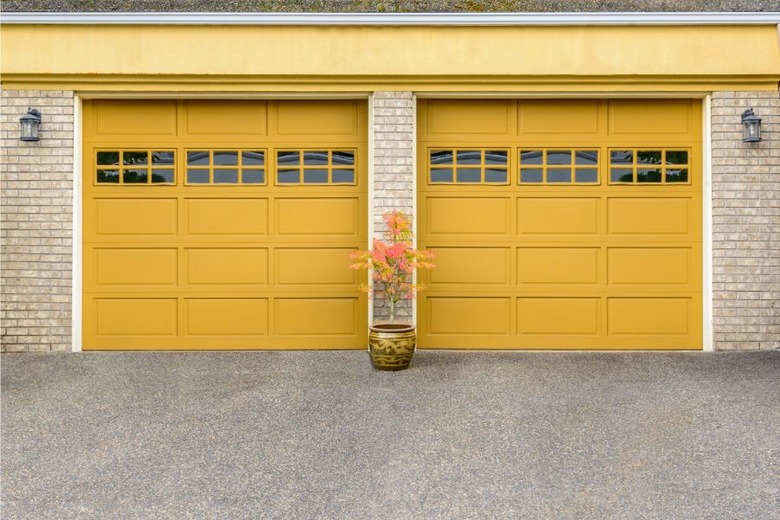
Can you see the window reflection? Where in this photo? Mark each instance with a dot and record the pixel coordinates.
(253, 176)
(315, 176)
(531, 175)
(343, 176)
(108, 176)
(162, 158)
(198, 176)
(344, 158)
(288, 158)
(469, 157)
(226, 158)
(559, 157)
(441, 175)
(225, 176)
(531, 157)
(469, 175)
(108, 158)
(559, 175)
(288, 176)
(621, 157)
(252, 158)
(498, 157)
(442, 157)
(495, 175)
(198, 158)
(586, 157)
(135, 158)
(162, 176)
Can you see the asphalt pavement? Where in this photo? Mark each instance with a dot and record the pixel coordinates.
(459, 435)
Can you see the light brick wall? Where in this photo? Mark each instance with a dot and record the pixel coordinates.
(746, 224)
(36, 239)
(393, 133)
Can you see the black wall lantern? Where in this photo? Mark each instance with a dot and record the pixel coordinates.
(30, 125)
(751, 127)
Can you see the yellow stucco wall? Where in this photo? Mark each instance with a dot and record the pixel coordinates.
(365, 58)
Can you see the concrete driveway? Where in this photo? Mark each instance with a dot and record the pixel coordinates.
(305, 435)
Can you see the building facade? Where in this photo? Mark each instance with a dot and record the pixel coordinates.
(201, 179)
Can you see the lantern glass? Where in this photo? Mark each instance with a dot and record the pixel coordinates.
(30, 130)
(751, 131)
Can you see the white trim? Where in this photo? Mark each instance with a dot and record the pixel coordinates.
(415, 219)
(708, 339)
(78, 253)
(371, 198)
(397, 19)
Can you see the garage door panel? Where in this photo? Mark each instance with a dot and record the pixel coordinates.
(152, 216)
(559, 117)
(332, 118)
(470, 117)
(648, 216)
(122, 119)
(135, 316)
(558, 265)
(227, 216)
(315, 316)
(226, 316)
(558, 316)
(649, 266)
(314, 266)
(632, 117)
(227, 117)
(468, 216)
(469, 315)
(133, 266)
(557, 216)
(649, 316)
(471, 265)
(318, 216)
(231, 266)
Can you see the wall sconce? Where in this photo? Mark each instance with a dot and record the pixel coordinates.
(751, 127)
(30, 125)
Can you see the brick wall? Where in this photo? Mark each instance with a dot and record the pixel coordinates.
(36, 237)
(393, 134)
(746, 224)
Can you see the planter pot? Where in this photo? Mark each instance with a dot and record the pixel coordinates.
(391, 345)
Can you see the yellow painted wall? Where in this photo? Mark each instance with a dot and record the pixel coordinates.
(361, 58)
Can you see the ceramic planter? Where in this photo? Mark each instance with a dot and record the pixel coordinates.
(391, 345)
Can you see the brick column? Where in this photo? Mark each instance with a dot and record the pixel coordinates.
(392, 127)
(37, 221)
(746, 224)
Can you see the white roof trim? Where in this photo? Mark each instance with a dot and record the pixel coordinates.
(453, 19)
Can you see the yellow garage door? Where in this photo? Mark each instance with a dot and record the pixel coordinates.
(561, 224)
(223, 224)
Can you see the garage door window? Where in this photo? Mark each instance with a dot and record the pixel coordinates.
(225, 167)
(552, 166)
(636, 166)
(468, 166)
(315, 167)
(134, 167)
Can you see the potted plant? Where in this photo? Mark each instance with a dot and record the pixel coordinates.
(392, 265)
